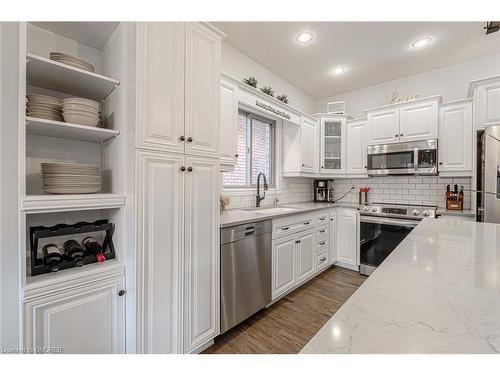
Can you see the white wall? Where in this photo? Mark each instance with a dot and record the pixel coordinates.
(451, 81)
(239, 65)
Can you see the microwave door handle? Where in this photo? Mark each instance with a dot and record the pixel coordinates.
(415, 160)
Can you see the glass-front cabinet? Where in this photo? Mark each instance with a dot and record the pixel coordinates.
(332, 145)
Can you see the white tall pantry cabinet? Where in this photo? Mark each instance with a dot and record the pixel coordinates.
(177, 161)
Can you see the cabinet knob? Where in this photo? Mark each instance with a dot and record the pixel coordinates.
(190, 139)
(235, 155)
(190, 169)
(401, 134)
(396, 135)
(440, 163)
(322, 259)
(183, 168)
(121, 293)
(182, 138)
(322, 167)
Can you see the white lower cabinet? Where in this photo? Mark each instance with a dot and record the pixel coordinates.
(86, 319)
(178, 252)
(347, 237)
(283, 265)
(305, 255)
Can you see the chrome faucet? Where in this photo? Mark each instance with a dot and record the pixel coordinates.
(258, 198)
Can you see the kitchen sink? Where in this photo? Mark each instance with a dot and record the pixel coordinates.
(272, 210)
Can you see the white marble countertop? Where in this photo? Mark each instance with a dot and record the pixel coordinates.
(445, 212)
(438, 292)
(242, 216)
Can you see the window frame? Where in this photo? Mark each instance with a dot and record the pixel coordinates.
(273, 144)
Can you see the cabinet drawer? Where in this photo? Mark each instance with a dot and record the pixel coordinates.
(322, 244)
(323, 219)
(294, 225)
(322, 231)
(322, 261)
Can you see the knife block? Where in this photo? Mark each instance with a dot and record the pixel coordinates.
(454, 201)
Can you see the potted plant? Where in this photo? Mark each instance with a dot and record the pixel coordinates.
(283, 98)
(267, 90)
(252, 81)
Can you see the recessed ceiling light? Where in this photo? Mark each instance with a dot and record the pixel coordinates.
(337, 70)
(419, 43)
(305, 37)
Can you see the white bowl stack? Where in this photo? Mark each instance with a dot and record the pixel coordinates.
(81, 111)
(44, 106)
(72, 61)
(71, 178)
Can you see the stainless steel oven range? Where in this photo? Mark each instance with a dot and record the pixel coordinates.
(383, 227)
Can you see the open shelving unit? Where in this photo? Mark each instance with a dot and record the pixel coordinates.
(58, 141)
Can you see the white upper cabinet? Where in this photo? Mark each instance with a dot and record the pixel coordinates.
(308, 145)
(418, 121)
(487, 102)
(160, 85)
(455, 138)
(414, 121)
(228, 123)
(332, 145)
(383, 126)
(88, 319)
(159, 234)
(202, 91)
(201, 244)
(356, 147)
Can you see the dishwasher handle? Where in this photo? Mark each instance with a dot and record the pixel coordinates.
(239, 232)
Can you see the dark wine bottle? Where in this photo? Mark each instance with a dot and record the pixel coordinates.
(52, 256)
(94, 248)
(74, 251)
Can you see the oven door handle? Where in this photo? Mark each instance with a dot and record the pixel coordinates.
(388, 221)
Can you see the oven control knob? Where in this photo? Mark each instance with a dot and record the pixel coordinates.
(366, 208)
(416, 212)
(425, 213)
(374, 209)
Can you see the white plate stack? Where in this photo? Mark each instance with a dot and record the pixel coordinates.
(72, 61)
(81, 111)
(71, 178)
(44, 106)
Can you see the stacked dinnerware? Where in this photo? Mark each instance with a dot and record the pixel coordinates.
(44, 106)
(72, 61)
(71, 178)
(81, 111)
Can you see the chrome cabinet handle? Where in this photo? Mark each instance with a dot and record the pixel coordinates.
(322, 231)
(285, 228)
(322, 259)
(322, 218)
(322, 243)
(307, 222)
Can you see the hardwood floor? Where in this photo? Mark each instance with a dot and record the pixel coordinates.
(286, 326)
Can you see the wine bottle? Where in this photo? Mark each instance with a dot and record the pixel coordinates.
(52, 256)
(74, 251)
(94, 248)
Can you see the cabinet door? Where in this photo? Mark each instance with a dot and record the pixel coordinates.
(201, 197)
(202, 92)
(356, 147)
(309, 146)
(228, 123)
(455, 138)
(347, 236)
(488, 109)
(333, 236)
(84, 320)
(306, 255)
(418, 122)
(383, 126)
(332, 159)
(160, 85)
(159, 257)
(283, 265)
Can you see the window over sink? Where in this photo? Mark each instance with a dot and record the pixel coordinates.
(256, 151)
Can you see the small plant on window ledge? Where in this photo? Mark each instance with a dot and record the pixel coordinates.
(283, 98)
(252, 81)
(267, 90)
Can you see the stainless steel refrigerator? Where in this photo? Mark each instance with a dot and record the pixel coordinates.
(488, 179)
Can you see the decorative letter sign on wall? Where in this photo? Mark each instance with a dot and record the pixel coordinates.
(400, 99)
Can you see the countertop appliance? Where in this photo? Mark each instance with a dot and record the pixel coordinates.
(383, 227)
(245, 271)
(323, 190)
(414, 158)
(488, 178)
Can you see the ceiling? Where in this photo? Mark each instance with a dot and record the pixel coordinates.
(372, 52)
(92, 34)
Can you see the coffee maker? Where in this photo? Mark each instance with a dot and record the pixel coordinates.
(323, 190)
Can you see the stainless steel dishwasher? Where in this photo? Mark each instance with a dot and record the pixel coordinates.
(245, 271)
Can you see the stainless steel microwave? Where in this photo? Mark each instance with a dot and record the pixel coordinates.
(415, 158)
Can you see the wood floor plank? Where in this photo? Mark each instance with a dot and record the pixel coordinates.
(289, 324)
